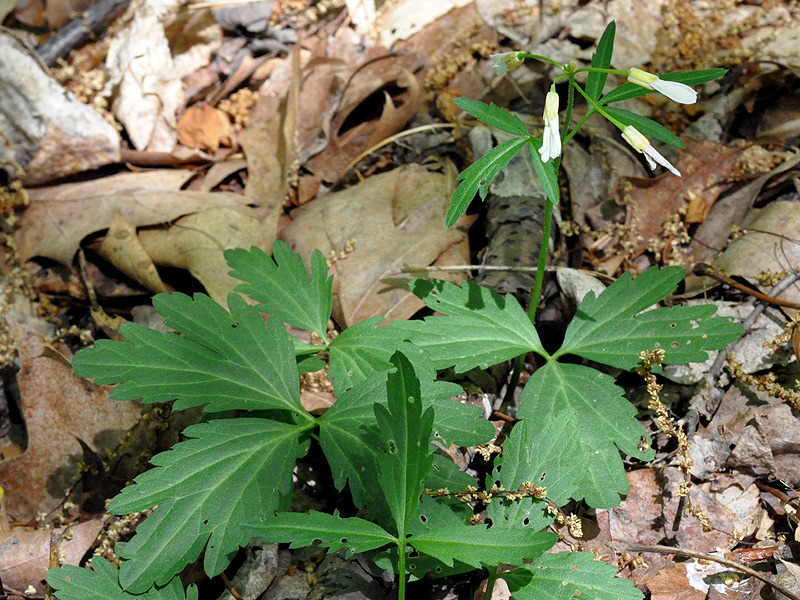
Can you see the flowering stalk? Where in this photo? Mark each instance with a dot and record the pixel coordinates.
(632, 135)
(642, 145)
(679, 92)
(551, 139)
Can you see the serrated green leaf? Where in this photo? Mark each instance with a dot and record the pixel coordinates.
(477, 177)
(493, 116)
(283, 286)
(646, 126)
(331, 531)
(480, 329)
(361, 351)
(595, 419)
(631, 90)
(601, 59)
(225, 361)
(607, 329)
(74, 583)
(346, 433)
(570, 575)
(405, 456)
(229, 471)
(527, 459)
(461, 424)
(545, 171)
(478, 545)
(446, 474)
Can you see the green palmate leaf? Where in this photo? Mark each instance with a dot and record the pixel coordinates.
(595, 419)
(631, 90)
(480, 329)
(458, 423)
(361, 351)
(607, 328)
(331, 531)
(601, 59)
(569, 575)
(546, 172)
(283, 286)
(492, 115)
(405, 456)
(223, 360)
(446, 474)
(229, 471)
(478, 545)
(528, 460)
(347, 435)
(646, 126)
(74, 583)
(478, 176)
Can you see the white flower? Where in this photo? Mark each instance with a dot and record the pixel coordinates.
(551, 140)
(642, 145)
(679, 92)
(507, 61)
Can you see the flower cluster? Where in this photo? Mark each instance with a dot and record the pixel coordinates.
(551, 139)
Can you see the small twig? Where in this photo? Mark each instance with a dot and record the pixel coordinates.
(710, 272)
(230, 587)
(84, 28)
(622, 546)
(448, 268)
(394, 138)
(716, 380)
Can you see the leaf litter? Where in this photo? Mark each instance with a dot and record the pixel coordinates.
(331, 100)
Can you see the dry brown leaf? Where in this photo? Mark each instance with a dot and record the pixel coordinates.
(706, 167)
(59, 217)
(671, 583)
(148, 87)
(394, 219)
(204, 127)
(351, 131)
(316, 402)
(650, 510)
(25, 555)
(122, 249)
(59, 408)
(197, 242)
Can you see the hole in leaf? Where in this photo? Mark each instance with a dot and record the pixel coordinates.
(423, 518)
(526, 521)
(234, 325)
(392, 447)
(438, 569)
(673, 325)
(344, 540)
(674, 345)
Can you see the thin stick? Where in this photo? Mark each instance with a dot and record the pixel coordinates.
(394, 138)
(621, 546)
(444, 269)
(710, 272)
(230, 587)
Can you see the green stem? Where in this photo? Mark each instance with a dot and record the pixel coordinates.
(401, 568)
(572, 133)
(599, 70)
(537, 291)
(490, 583)
(593, 103)
(544, 58)
(568, 116)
